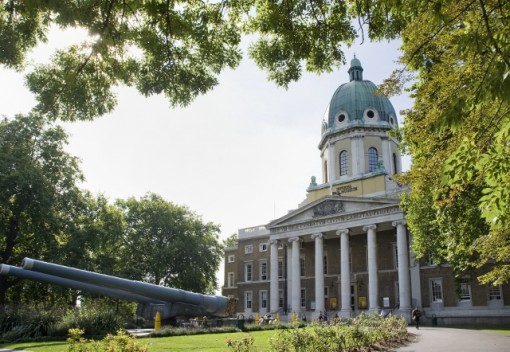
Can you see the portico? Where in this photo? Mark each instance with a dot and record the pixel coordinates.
(338, 220)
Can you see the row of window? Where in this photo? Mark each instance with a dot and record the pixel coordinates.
(494, 294)
(436, 291)
(373, 158)
(263, 299)
(263, 264)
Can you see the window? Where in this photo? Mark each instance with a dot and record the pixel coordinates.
(325, 171)
(302, 266)
(370, 114)
(230, 280)
(303, 298)
(344, 163)
(341, 118)
(263, 247)
(248, 299)
(372, 159)
(248, 271)
(280, 298)
(395, 170)
(263, 271)
(248, 249)
(494, 293)
(465, 290)
(325, 264)
(231, 258)
(263, 299)
(280, 268)
(326, 291)
(436, 288)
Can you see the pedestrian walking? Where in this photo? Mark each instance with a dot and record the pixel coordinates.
(415, 315)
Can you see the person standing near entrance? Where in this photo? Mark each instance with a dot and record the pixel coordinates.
(415, 315)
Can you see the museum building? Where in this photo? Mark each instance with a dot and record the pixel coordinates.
(346, 248)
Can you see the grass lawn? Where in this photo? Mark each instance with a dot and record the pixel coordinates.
(499, 331)
(206, 342)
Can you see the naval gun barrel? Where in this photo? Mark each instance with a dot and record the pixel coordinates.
(214, 305)
(76, 285)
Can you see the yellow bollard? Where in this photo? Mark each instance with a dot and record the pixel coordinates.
(157, 321)
(257, 317)
(278, 316)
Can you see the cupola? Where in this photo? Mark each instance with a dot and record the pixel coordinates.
(355, 144)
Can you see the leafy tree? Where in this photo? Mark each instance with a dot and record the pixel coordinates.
(291, 33)
(231, 240)
(173, 47)
(94, 235)
(460, 121)
(37, 185)
(169, 245)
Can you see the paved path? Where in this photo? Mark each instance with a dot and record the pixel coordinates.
(437, 339)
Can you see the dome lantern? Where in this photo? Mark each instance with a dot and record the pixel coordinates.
(355, 71)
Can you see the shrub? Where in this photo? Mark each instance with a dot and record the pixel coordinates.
(95, 321)
(26, 324)
(121, 342)
(354, 335)
(243, 345)
(172, 331)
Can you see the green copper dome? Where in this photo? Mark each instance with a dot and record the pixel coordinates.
(356, 103)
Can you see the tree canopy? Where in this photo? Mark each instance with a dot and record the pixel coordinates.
(169, 245)
(460, 121)
(37, 191)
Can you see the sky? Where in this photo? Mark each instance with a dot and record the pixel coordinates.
(239, 156)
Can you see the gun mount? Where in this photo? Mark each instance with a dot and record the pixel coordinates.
(170, 302)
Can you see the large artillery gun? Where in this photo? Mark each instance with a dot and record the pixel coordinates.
(171, 303)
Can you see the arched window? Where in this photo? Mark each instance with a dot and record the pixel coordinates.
(344, 163)
(372, 159)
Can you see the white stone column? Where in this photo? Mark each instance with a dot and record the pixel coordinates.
(358, 155)
(404, 284)
(345, 273)
(295, 301)
(386, 155)
(373, 280)
(273, 284)
(354, 156)
(331, 163)
(319, 274)
(289, 279)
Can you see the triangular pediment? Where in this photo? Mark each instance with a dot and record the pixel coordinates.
(331, 206)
